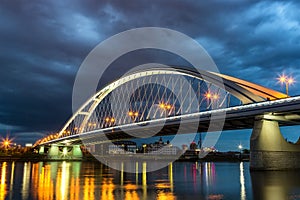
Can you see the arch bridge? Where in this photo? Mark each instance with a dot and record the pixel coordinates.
(153, 102)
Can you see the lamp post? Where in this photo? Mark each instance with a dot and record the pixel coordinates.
(283, 79)
(240, 148)
(166, 108)
(133, 115)
(212, 99)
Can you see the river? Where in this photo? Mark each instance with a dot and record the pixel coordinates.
(179, 180)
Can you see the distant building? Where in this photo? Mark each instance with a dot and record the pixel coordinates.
(122, 147)
(161, 148)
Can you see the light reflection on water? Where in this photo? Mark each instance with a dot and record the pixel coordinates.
(88, 180)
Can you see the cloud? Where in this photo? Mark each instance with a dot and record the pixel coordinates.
(44, 43)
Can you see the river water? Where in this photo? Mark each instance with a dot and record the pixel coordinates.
(179, 180)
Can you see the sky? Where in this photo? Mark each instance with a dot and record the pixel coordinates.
(43, 44)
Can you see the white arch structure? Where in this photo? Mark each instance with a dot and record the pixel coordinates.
(245, 91)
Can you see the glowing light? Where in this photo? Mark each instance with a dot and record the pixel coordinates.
(130, 113)
(112, 119)
(283, 79)
(208, 95)
(216, 96)
(6, 142)
(240, 147)
(136, 114)
(290, 80)
(107, 119)
(165, 106)
(65, 151)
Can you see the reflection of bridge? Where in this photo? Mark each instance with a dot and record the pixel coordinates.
(171, 101)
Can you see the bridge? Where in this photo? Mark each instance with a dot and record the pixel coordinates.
(170, 101)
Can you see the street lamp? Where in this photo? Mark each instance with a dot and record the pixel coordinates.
(283, 79)
(166, 108)
(134, 115)
(240, 148)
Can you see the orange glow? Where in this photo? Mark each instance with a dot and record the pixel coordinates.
(136, 114)
(208, 95)
(216, 96)
(112, 119)
(3, 180)
(282, 79)
(285, 79)
(107, 189)
(165, 106)
(107, 119)
(130, 113)
(6, 142)
(290, 80)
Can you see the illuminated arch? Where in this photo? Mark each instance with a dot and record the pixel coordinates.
(245, 91)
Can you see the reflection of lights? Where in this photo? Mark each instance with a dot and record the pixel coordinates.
(64, 180)
(162, 195)
(3, 181)
(89, 188)
(209, 173)
(122, 173)
(136, 173)
(74, 188)
(43, 181)
(107, 188)
(131, 192)
(171, 176)
(242, 182)
(144, 179)
(26, 177)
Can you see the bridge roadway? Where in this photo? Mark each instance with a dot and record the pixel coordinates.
(285, 111)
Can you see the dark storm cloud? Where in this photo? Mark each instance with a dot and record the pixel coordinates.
(44, 42)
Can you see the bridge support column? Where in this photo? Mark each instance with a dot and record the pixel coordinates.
(269, 150)
(76, 152)
(53, 152)
(41, 150)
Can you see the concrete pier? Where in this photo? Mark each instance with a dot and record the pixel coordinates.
(59, 152)
(269, 150)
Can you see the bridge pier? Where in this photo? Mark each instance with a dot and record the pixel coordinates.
(42, 150)
(58, 152)
(53, 152)
(269, 150)
(76, 152)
